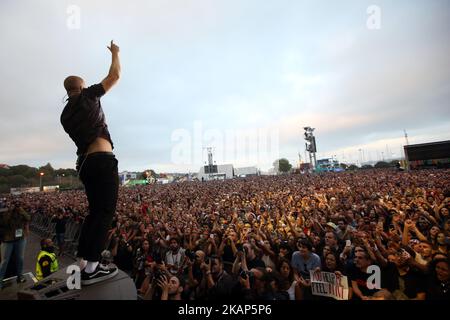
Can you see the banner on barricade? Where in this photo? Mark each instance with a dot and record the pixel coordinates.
(327, 284)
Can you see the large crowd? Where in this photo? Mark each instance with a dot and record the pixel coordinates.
(261, 238)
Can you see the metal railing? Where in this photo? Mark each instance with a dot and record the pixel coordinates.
(42, 225)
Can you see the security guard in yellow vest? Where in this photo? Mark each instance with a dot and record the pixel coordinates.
(47, 262)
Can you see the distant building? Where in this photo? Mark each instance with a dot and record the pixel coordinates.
(270, 172)
(162, 180)
(246, 172)
(328, 165)
(428, 155)
(126, 176)
(216, 172)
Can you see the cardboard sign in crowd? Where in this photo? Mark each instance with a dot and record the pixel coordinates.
(327, 284)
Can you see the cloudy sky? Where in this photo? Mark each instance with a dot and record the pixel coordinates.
(204, 73)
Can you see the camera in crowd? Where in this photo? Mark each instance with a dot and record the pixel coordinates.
(158, 274)
(247, 275)
(190, 254)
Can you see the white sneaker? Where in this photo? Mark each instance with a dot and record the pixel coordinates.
(100, 273)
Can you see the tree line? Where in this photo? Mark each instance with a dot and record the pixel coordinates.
(21, 176)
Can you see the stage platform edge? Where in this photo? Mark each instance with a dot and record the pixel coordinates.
(120, 287)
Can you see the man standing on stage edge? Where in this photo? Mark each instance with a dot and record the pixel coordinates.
(83, 119)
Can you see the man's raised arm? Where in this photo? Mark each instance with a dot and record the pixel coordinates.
(114, 71)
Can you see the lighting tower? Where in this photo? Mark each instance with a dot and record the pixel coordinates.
(311, 145)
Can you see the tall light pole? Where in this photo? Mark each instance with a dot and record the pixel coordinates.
(41, 174)
(406, 154)
(311, 145)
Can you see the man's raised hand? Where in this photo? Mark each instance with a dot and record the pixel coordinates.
(114, 70)
(113, 47)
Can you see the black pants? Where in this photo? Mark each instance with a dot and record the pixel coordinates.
(99, 174)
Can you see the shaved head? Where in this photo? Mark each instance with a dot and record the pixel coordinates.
(73, 83)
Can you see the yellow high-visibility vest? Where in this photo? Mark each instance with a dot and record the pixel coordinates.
(53, 265)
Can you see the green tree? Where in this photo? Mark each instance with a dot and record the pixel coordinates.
(6, 172)
(282, 165)
(66, 172)
(382, 164)
(17, 181)
(142, 175)
(367, 166)
(4, 188)
(47, 170)
(394, 163)
(352, 167)
(149, 173)
(23, 170)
